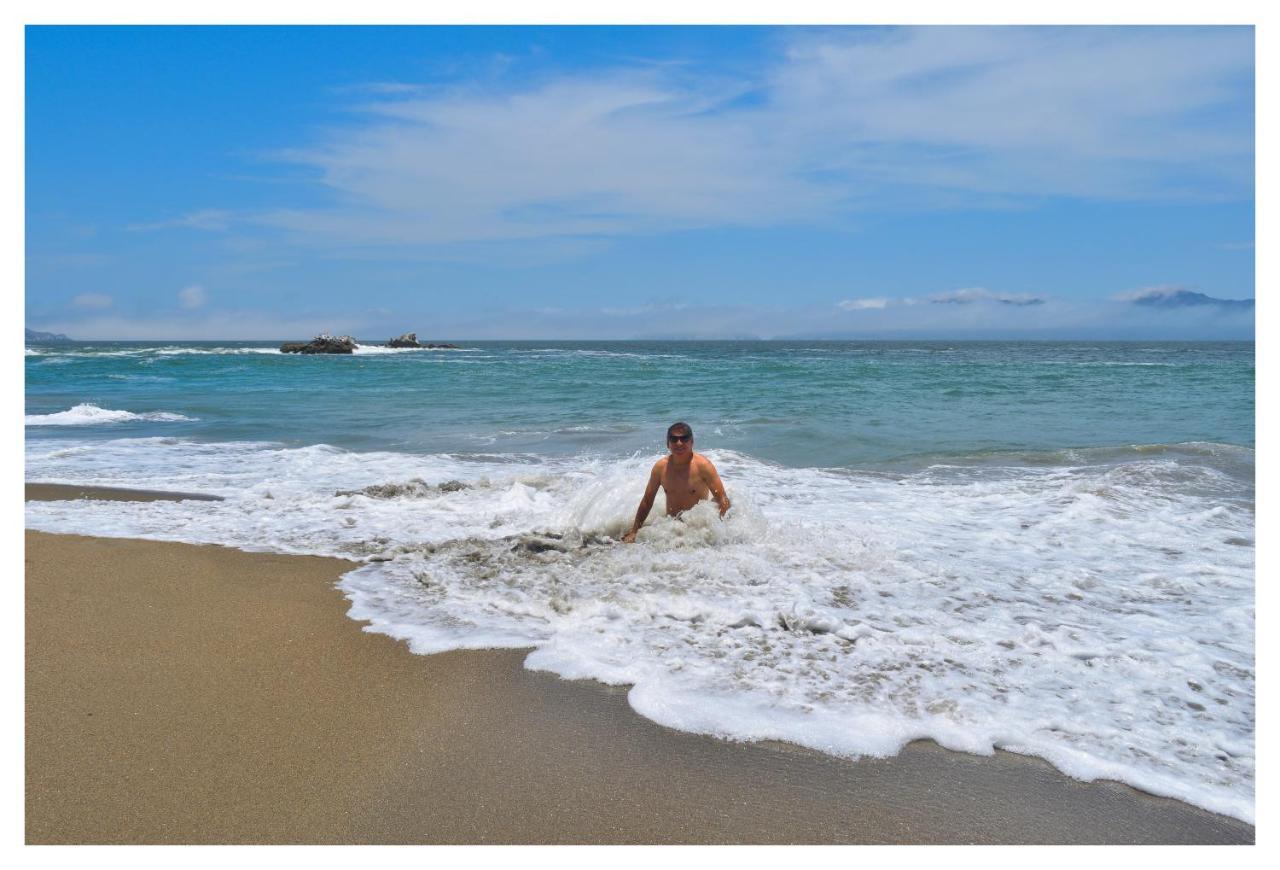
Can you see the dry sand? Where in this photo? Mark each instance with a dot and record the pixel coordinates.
(184, 694)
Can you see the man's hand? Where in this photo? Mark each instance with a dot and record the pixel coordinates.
(629, 537)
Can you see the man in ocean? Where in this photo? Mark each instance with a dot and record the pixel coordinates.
(686, 477)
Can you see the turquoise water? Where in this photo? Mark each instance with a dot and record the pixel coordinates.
(796, 404)
(1041, 547)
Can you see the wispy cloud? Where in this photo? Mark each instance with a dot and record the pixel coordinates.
(970, 295)
(1077, 111)
(193, 296)
(381, 88)
(204, 219)
(91, 300)
(863, 304)
(844, 120)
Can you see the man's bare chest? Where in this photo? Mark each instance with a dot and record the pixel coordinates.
(683, 484)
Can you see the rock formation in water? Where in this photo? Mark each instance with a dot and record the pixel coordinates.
(322, 344)
(346, 344)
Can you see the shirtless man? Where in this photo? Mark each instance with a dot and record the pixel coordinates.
(684, 476)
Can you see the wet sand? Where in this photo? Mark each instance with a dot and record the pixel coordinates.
(58, 491)
(195, 694)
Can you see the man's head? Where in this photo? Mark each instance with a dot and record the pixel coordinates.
(680, 438)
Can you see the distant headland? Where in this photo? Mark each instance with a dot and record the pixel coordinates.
(45, 337)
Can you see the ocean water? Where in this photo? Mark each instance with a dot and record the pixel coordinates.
(1042, 547)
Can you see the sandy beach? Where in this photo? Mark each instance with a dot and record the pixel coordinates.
(198, 694)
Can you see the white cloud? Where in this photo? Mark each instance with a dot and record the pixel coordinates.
(383, 88)
(1030, 110)
(205, 219)
(862, 304)
(91, 300)
(969, 295)
(847, 119)
(193, 296)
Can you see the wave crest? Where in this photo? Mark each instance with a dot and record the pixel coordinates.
(89, 414)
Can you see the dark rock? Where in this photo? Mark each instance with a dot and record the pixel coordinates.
(409, 339)
(440, 346)
(322, 344)
(414, 488)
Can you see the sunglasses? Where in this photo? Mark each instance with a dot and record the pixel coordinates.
(680, 438)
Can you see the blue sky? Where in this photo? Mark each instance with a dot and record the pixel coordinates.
(613, 182)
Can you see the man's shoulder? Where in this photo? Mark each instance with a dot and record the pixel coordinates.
(661, 465)
(701, 462)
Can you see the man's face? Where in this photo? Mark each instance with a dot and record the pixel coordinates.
(680, 443)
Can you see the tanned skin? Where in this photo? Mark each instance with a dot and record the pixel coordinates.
(686, 477)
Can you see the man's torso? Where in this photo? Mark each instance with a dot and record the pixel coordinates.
(683, 484)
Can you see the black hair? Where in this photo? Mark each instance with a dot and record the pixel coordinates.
(680, 428)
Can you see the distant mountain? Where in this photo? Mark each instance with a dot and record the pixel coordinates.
(45, 337)
(1188, 299)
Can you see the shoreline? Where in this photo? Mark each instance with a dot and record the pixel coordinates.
(198, 694)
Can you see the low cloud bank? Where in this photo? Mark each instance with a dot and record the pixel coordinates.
(973, 313)
(980, 294)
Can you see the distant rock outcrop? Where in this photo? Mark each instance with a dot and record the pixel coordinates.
(322, 344)
(410, 339)
(46, 337)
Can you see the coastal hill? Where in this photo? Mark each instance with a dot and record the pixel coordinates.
(1177, 298)
(45, 337)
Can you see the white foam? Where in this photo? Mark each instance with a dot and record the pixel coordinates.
(91, 415)
(1098, 615)
(168, 350)
(383, 349)
(215, 351)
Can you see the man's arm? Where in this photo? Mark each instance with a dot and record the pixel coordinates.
(646, 503)
(712, 480)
